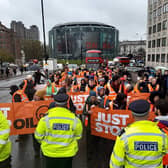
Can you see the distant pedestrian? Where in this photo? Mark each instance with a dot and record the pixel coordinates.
(14, 71)
(2, 72)
(37, 76)
(7, 72)
(21, 70)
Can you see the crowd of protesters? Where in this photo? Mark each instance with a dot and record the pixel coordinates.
(99, 85)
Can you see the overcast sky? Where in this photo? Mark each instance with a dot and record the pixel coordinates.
(129, 16)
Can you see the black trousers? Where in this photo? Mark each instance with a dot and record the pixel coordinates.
(57, 162)
(6, 163)
(98, 151)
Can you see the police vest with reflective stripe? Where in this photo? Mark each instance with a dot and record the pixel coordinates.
(5, 144)
(60, 138)
(144, 145)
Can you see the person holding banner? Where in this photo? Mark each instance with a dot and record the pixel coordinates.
(91, 85)
(114, 85)
(58, 133)
(142, 143)
(103, 99)
(28, 87)
(18, 95)
(5, 144)
(120, 103)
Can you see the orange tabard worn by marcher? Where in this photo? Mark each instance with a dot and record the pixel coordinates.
(136, 90)
(88, 89)
(151, 89)
(111, 90)
(22, 95)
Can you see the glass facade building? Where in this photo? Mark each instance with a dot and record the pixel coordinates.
(72, 40)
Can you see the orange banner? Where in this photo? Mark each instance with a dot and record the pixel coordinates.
(137, 96)
(108, 124)
(23, 117)
(79, 99)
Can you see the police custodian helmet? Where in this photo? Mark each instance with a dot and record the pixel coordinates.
(139, 108)
(61, 99)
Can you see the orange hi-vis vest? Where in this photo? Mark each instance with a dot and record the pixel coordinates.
(57, 86)
(25, 85)
(111, 90)
(136, 90)
(23, 96)
(151, 89)
(88, 89)
(75, 88)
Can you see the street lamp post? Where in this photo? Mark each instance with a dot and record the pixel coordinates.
(44, 37)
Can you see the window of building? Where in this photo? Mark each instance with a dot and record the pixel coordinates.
(153, 43)
(159, 11)
(150, 30)
(164, 42)
(158, 42)
(154, 13)
(158, 58)
(153, 57)
(150, 16)
(159, 27)
(165, 8)
(163, 58)
(164, 25)
(154, 29)
(150, 2)
(149, 44)
(149, 57)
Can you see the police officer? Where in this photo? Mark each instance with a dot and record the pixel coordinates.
(58, 133)
(141, 144)
(5, 144)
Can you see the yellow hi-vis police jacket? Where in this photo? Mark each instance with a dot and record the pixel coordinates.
(142, 144)
(58, 133)
(5, 144)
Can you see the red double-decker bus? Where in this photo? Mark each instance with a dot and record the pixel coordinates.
(93, 59)
(122, 60)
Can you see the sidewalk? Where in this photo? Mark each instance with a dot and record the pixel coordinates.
(13, 76)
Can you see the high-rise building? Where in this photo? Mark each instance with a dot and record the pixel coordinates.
(10, 42)
(157, 39)
(32, 33)
(24, 33)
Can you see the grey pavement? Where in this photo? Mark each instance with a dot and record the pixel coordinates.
(5, 84)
